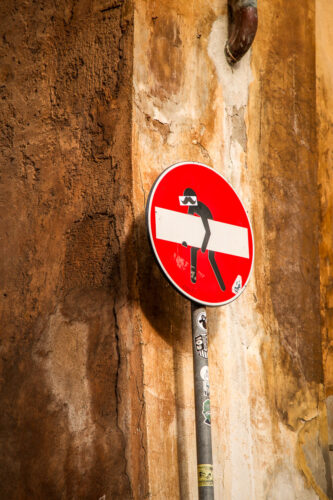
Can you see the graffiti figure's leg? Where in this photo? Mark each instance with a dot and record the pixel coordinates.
(194, 252)
(217, 273)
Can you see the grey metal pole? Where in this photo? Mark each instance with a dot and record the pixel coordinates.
(202, 402)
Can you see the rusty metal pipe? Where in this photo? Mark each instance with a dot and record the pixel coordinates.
(243, 23)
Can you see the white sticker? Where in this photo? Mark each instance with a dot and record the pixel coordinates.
(204, 374)
(202, 321)
(188, 200)
(237, 286)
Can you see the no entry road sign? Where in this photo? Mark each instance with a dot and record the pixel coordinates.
(200, 233)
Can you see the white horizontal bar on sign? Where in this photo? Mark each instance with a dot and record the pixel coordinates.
(178, 228)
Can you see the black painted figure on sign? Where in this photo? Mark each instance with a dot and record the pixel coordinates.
(197, 207)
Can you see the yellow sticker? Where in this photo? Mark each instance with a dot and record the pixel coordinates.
(205, 475)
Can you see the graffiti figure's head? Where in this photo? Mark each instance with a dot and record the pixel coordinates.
(189, 198)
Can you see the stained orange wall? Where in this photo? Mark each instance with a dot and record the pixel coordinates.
(324, 73)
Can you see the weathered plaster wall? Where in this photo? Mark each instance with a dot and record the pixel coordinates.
(256, 125)
(283, 130)
(177, 114)
(324, 73)
(96, 383)
(71, 379)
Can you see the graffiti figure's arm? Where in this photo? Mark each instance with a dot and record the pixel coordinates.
(207, 234)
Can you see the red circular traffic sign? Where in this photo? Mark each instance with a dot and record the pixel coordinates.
(200, 233)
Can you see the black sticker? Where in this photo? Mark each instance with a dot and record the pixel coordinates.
(201, 345)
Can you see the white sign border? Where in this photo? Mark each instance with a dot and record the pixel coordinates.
(151, 240)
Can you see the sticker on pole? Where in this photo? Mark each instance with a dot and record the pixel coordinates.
(200, 233)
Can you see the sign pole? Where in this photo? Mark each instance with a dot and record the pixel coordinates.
(202, 402)
(202, 240)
